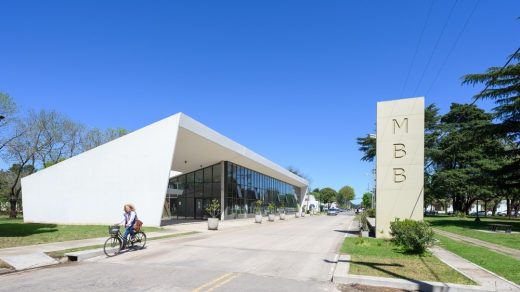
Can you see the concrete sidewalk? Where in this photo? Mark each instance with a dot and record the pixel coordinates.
(486, 279)
(515, 253)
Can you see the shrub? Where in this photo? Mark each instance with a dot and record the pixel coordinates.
(413, 236)
(258, 207)
(271, 206)
(363, 221)
(460, 214)
(214, 208)
(371, 213)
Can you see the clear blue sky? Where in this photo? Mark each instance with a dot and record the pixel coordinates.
(295, 81)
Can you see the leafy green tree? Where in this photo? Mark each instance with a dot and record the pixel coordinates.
(328, 195)
(367, 146)
(345, 195)
(503, 87)
(367, 200)
(464, 156)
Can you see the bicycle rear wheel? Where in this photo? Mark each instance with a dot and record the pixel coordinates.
(139, 240)
(112, 246)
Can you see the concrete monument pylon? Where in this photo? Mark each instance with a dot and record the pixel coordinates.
(400, 162)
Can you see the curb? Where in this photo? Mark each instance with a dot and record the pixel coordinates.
(404, 284)
(79, 256)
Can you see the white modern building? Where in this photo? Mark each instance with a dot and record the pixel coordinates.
(169, 170)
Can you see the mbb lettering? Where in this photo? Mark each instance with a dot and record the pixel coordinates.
(399, 149)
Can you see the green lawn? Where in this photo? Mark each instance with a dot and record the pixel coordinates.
(16, 233)
(380, 258)
(479, 230)
(500, 264)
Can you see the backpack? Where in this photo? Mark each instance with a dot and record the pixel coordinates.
(138, 224)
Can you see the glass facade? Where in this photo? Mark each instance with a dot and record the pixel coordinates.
(243, 187)
(189, 194)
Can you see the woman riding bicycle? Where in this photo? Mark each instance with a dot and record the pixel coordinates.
(129, 220)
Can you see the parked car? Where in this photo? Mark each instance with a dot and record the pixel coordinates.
(332, 212)
(501, 213)
(430, 212)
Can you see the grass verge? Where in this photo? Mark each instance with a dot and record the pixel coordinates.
(381, 258)
(61, 253)
(479, 230)
(13, 232)
(497, 263)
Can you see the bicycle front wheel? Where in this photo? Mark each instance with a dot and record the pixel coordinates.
(139, 240)
(112, 246)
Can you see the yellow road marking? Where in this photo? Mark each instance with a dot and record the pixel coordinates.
(223, 282)
(223, 277)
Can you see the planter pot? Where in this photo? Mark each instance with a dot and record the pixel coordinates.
(258, 218)
(213, 223)
(271, 217)
(297, 214)
(303, 214)
(282, 216)
(364, 233)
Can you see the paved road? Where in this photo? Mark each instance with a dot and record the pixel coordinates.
(295, 255)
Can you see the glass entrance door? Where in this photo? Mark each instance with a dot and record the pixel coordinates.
(173, 207)
(199, 212)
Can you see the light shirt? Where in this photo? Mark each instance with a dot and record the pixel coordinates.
(128, 218)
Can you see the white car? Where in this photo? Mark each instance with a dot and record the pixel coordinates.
(332, 212)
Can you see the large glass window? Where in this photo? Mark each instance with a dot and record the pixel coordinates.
(189, 193)
(244, 186)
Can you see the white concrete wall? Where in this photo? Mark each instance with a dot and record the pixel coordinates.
(93, 186)
(400, 162)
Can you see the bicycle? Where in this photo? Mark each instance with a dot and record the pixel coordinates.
(114, 244)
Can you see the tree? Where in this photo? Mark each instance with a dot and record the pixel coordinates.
(328, 195)
(367, 200)
(96, 137)
(345, 195)
(367, 145)
(464, 156)
(62, 135)
(8, 112)
(503, 87)
(23, 152)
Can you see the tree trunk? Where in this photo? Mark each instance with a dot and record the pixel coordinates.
(12, 211)
(457, 204)
(485, 208)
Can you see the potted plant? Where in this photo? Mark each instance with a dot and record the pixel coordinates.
(213, 210)
(297, 214)
(363, 224)
(258, 211)
(271, 208)
(303, 211)
(282, 212)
